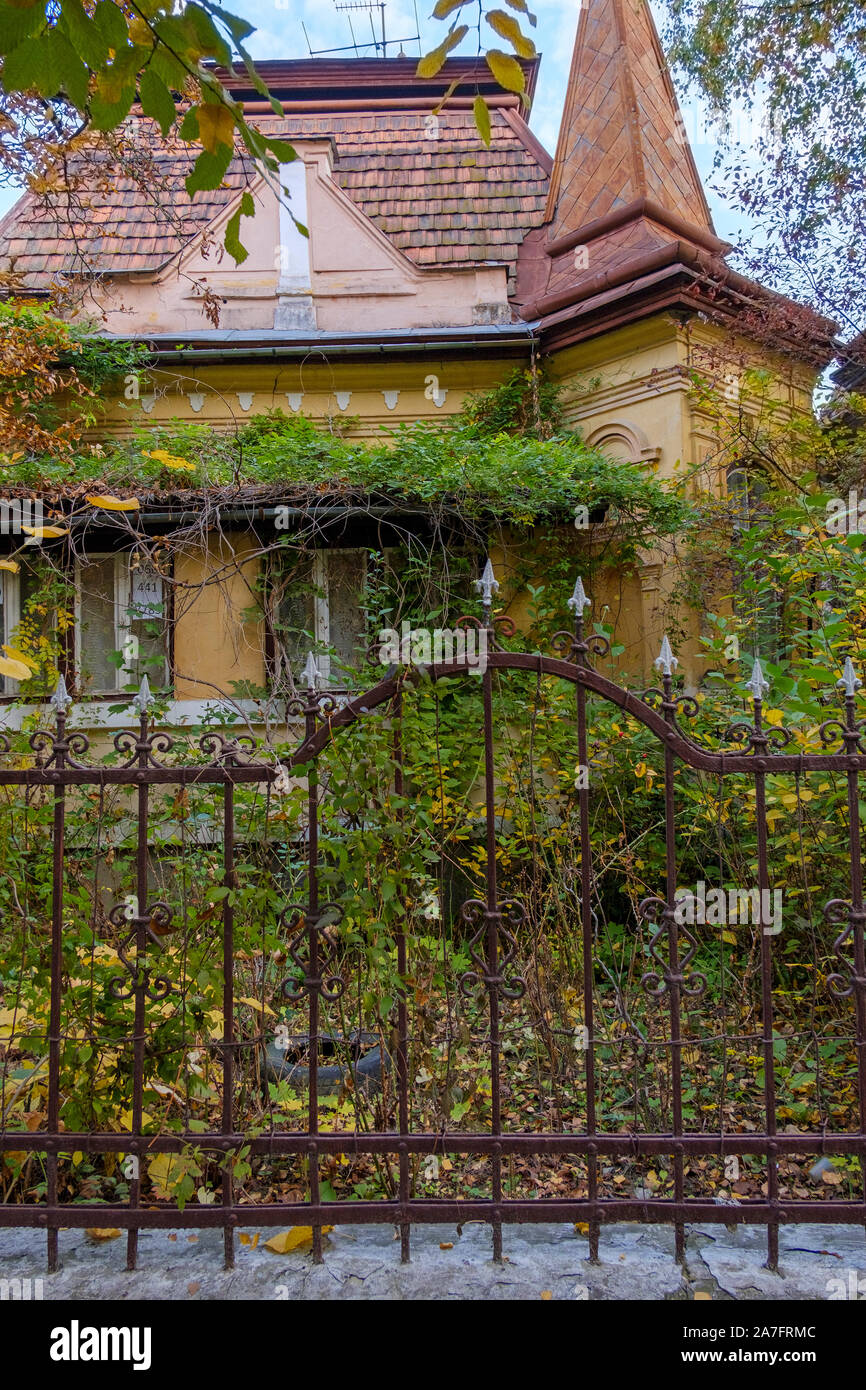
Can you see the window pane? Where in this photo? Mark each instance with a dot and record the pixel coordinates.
(295, 613)
(98, 672)
(346, 569)
(147, 623)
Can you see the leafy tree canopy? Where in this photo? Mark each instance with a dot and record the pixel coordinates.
(797, 70)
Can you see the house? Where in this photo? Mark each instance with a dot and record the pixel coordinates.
(432, 267)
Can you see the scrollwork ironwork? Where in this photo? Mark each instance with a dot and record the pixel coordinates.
(657, 982)
(508, 916)
(299, 923)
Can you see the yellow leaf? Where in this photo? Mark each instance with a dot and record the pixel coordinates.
(216, 126)
(293, 1239)
(257, 1004)
(582, 1228)
(16, 670)
(729, 937)
(103, 1232)
(432, 62)
(114, 504)
(547, 1295)
(251, 1241)
(45, 533)
(164, 1170)
(506, 70)
(773, 716)
(11, 565)
(508, 28)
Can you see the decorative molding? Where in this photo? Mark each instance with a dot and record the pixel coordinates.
(391, 398)
(196, 400)
(246, 399)
(343, 398)
(294, 399)
(637, 446)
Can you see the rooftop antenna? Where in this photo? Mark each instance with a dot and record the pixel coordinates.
(379, 42)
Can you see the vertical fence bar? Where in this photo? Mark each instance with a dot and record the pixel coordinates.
(578, 653)
(674, 979)
(858, 915)
(228, 1041)
(588, 948)
(402, 1013)
(55, 1008)
(139, 980)
(313, 948)
(492, 944)
(767, 1011)
(760, 742)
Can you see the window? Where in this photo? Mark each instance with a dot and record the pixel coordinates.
(120, 625)
(16, 593)
(758, 602)
(747, 490)
(318, 607)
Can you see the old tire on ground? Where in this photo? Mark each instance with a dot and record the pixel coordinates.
(365, 1073)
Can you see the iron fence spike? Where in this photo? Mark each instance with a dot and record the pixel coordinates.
(144, 699)
(488, 584)
(61, 699)
(849, 681)
(311, 672)
(579, 599)
(757, 682)
(666, 662)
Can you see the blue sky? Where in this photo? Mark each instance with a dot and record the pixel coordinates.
(279, 34)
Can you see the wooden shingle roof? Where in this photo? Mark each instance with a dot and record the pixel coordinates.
(444, 202)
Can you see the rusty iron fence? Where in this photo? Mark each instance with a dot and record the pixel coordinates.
(496, 922)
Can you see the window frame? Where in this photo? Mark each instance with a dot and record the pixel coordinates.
(321, 598)
(122, 625)
(10, 619)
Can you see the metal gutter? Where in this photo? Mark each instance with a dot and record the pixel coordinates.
(218, 349)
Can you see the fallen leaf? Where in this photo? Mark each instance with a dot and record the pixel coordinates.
(582, 1227)
(11, 565)
(547, 1295)
(705, 1296)
(293, 1239)
(102, 1232)
(251, 1241)
(193, 1287)
(446, 1245)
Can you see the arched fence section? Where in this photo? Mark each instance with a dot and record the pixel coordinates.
(495, 926)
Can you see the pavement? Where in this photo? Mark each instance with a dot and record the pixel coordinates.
(546, 1261)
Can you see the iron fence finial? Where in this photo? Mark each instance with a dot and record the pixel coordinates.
(757, 683)
(61, 699)
(487, 585)
(579, 599)
(144, 699)
(311, 672)
(666, 662)
(849, 682)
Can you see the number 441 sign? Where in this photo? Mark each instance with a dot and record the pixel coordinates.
(146, 593)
